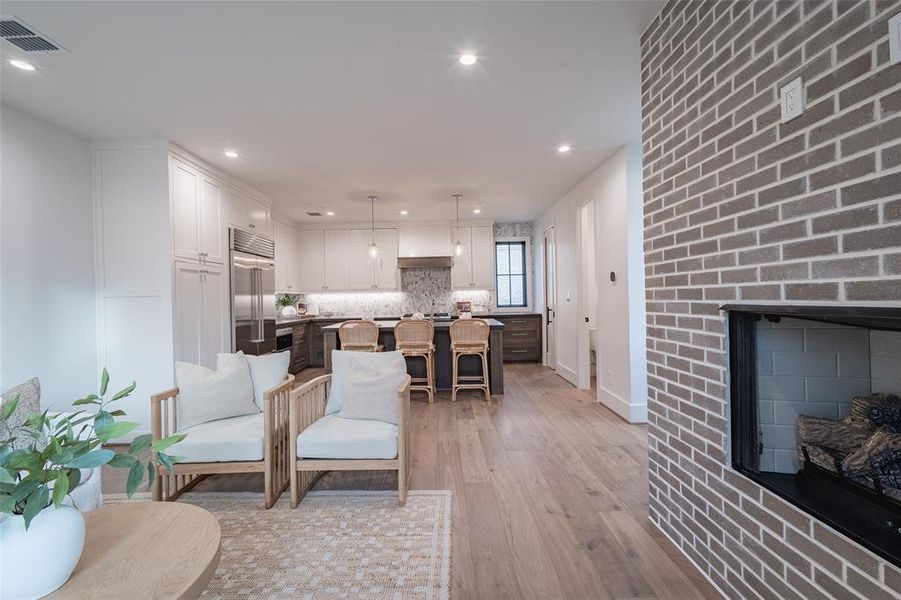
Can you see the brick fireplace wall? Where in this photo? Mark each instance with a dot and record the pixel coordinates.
(740, 207)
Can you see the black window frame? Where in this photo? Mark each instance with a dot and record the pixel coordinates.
(523, 245)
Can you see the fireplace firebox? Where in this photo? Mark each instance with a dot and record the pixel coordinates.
(815, 402)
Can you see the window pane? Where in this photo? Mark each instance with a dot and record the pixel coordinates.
(503, 290)
(503, 259)
(516, 266)
(517, 290)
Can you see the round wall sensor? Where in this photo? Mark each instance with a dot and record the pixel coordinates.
(612, 275)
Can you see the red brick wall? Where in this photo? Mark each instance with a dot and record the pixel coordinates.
(740, 207)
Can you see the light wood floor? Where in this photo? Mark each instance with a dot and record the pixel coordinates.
(550, 494)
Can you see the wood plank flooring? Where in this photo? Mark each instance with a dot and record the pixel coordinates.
(550, 494)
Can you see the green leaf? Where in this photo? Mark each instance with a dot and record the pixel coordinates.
(8, 408)
(74, 478)
(123, 461)
(94, 458)
(124, 392)
(6, 476)
(151, 475)
(166, 461)
(60, 488)
(166, 442)
(135, 475)
(104, 381)
(92, 399)
(141, 442)
(103, 419)
(24, 488)
(36, 502)
(7, 504)
(118, 413)
(114, 430)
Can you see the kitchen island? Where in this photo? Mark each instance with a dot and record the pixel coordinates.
(469, 365)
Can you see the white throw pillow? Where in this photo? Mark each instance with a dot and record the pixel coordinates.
(205, 395)
(344, 363)
(267, 371)
(370, 390)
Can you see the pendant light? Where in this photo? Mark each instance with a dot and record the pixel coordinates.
(458, 245)
(373, 249)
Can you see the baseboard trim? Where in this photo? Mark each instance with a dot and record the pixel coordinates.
(633, 413)
(568, 374)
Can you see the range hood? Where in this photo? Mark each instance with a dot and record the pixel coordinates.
(425, 262)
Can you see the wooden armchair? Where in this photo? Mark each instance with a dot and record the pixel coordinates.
(247, 444)
(306, 407)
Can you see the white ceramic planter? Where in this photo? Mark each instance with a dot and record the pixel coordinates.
(35, 562)
(289, 311)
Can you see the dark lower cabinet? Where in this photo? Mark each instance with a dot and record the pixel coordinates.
(317, 340)
(522, 337)
(300, 351)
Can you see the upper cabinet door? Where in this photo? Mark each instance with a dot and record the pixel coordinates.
(212, 223)
(362, 274)
(189, 322)
(312, 259)
(461, 273)
(185, 211)
(387, 276)
(482, 258)
(337, 259)
(292, 276)
(258, 218)
(280, 235)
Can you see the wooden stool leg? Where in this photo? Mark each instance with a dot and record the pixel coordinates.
(454, 378)
(430, 376)
(485, 376)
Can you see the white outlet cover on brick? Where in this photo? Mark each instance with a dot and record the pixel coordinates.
(894, 38)
(791, 97)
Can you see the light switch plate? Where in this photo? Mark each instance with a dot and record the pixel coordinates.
(894, 38)
(791, 97)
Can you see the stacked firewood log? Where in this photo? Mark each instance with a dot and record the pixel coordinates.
(865, 445)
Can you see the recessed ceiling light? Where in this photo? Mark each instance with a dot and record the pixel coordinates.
(403, 212)
(21, 64)
(330, 213)
(231, 154)
(563, 149)
(477, 211)
(468, 59)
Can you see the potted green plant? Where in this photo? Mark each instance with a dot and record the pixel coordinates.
(287, 304)
(40, 462)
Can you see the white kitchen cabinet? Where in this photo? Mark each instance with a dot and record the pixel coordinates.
(367, 273)
(337, 259)
(287, 258)
(249, 214)
(474, 266)
(202, 323)
(198, 228)
(311, 260)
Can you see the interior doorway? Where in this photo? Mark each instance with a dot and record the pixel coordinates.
(588, 295)
(550, 297)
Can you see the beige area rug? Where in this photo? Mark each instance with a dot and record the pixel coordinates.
(336, 544)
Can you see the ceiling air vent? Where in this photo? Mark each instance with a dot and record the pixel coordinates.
(314, 214)
(26, 37)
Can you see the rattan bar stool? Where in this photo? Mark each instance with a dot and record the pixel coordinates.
(360, 336)
(414, 338)
(469, 337)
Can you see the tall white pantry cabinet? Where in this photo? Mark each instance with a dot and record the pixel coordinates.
(161, 245)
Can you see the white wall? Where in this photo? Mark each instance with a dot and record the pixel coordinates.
(47, 305)
(622, 371)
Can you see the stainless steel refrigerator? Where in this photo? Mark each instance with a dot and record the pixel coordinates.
(253, 292)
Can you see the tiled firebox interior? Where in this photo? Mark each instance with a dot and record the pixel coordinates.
(815, 368)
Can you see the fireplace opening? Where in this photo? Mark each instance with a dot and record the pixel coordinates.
(815, 402)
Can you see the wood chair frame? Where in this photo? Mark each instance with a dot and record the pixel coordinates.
(274, 466)
(306, 405)
(469, 337)
(360, 335)
(421, 346)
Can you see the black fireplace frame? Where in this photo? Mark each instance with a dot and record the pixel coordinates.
(863, 514)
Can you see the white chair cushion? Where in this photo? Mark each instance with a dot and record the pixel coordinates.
(335, 437)
(371, 392)
(266, 372)
(205, 395)
(226, 440)
(346, 365)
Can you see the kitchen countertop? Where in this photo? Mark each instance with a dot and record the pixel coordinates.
(389, 325)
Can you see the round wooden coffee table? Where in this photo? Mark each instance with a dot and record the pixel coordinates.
(145, 550)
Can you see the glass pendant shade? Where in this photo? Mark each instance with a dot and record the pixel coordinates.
(372, 249)
(458, 245)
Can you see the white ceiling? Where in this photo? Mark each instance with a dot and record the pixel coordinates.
(330, 102)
